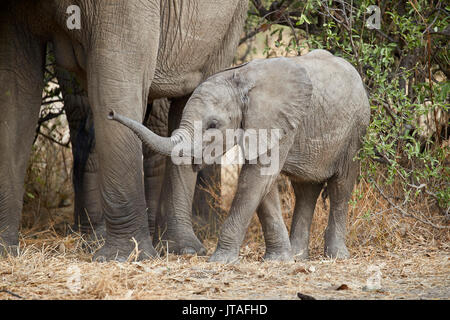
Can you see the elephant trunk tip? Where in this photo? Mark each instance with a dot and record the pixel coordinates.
(111, 115)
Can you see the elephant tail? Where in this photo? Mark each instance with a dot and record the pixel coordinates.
(325, 195)
(83, 144)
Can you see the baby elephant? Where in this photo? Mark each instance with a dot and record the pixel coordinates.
(319, 106)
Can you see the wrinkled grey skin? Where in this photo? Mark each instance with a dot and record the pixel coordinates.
(320, 104)
(127, 52)
(88, 218)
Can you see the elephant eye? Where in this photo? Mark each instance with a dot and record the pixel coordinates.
(212, 124)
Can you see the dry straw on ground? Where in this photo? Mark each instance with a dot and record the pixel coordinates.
(55, 267)
(407, 259)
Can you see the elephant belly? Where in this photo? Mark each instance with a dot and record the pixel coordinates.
(193, 44)
(310, 163)
(317, 151)
(174, 85)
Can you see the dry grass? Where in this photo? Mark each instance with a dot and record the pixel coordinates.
(56, 267)
(413, 258)
(48, 185)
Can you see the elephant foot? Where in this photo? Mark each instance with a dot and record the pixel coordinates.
(280, 255)
(225, 256)
(337, 251)
(9, 245)
(300, 253)
(96, 232)
(185, 244)
(96, 235)
(9, 250)
(123, 251)
(92, 238)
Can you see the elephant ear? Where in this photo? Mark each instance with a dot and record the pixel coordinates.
(275, 94)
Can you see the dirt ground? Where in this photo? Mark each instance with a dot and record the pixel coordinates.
(393, 257)
(53, 267)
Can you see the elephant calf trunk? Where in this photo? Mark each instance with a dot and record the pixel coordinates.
(162, 145)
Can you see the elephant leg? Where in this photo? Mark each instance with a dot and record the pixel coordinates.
(88, 216)
(278, 246)
(305, 202)
(254, 185)
(119, 70)
(155, 163)
(252, 188)
(174, 217)
(121, 182)
(340, 190)
(154, 167)
(21, 73)
(205, 208)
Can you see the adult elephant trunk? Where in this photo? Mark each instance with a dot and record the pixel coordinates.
(162, 145)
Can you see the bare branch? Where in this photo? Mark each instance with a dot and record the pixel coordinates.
(405, 213)
(65, 145)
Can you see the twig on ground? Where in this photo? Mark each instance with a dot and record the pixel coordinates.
(12, 294)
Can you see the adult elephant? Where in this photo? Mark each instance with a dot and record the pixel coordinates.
(88, 217)
(126, 53)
